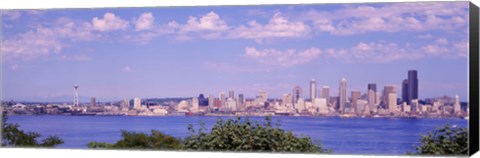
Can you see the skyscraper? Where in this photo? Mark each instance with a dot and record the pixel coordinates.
(405, 91)
(387, 90)
(195, 103)
(126, 104)
(372, 96)
(93, 102)
(342, 96)
(231, 94)
(412, 85)
(222, 99)
(326, 93)
(392, 102)
(75, 97)
(262, 95)
(355, 97)
(297, 94)
(313, 89)
(211, 101)
(241, 101)
(137, 103)
(456, 105)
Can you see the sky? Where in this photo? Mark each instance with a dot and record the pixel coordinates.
(117, 53)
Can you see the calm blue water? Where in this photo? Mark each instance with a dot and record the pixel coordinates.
(388, 136)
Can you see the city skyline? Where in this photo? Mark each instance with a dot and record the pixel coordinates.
(113, 54)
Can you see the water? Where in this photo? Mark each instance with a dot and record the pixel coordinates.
(386, 136)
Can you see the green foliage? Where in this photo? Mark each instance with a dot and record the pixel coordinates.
(447, 140)
(13, 136)
(133, 140)
(238, 135)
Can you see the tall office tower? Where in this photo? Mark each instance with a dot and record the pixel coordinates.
(387, 90)
(414, 105)
(137, 103)
(456, 105)
(75, 97)
(392, 102)
(321, 104)
(355, 97)
(412, 85)
(287, 100)
(326, 93)
(211, 101)
(405, 90)
(222, 99)
(241, 99)
(231, 105)
(93, 102)
(126, 104)
(313, 89)
(297, 94)
(300, 106)
(231, 94)
(262, 95)
(195, 103)
(372, 96)
(342, 96)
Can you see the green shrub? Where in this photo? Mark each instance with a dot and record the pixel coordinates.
(133, 140)
(13, 136)
(448, 140)
(238, 135)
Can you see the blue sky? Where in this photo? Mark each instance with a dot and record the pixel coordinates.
(118, 53)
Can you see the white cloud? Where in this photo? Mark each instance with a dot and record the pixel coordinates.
(393, 17)
(126, 68)
(208, 22)
(109, 22)
(144, 22)
(277, 27)
(372, 52)
(282, 58)
(44, 41)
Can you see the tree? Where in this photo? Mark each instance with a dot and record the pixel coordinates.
(238, 135)
(134, 140)
(13, 136)
(448, 140)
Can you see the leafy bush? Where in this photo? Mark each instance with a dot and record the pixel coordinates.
(238, 135)
(231, 135)
(13, 136)
(134, 140)
(448, 140)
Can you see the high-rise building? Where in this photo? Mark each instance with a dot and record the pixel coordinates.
(93, 102)
(414, 107)
(287, 100)
(126, 104)
(313, 89)
(387, 90)
(300, 106)
(231, 105)
(405, 91)
(222, 99)
(262, 95)
(321, 104)
(241, 99)
(137, 103)
(195, 103)
(456, 105)
(355, 96)
(231, 94)
(372, 96)
(297, 94)
(75, 97)
(211, 101)
(392, 102)
(326, 93)
(342, 96)
(412, 84)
